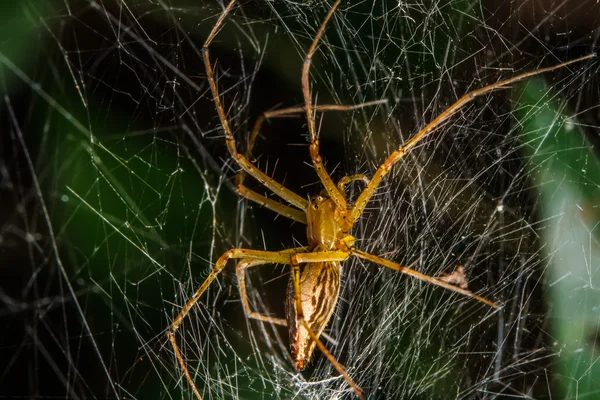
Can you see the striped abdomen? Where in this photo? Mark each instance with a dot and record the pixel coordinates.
(320, 289)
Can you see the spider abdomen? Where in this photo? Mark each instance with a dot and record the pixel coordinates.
(320, 288)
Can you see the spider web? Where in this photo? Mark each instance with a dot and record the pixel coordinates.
(117, 197)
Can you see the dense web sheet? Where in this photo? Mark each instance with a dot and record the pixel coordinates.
(116, 196)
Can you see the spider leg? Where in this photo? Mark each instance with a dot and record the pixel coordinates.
(314, 337)
(393, 158)
(337, 197)
(278, 257)
(351, 178)
(241, 277)
(240, 159)
(320, 256)
(416, 274)
(279, 208)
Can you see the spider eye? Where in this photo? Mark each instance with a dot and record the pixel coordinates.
(316, 206)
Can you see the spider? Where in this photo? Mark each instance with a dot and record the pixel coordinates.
(313, 291)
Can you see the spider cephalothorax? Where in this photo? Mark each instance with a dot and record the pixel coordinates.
(325, 223)
(313, 291)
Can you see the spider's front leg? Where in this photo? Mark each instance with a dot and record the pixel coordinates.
(398, 154)
(333, 192)
(277, 188)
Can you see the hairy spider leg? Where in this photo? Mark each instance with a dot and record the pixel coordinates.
(273, 205)
(341, 185)
(341, 255)
(240, 272)
(275, 257)
(241, 277)
(393, 158)
(418, 275)
(277, 188)
(333, 192)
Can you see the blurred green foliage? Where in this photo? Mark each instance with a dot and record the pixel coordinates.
(565, 169)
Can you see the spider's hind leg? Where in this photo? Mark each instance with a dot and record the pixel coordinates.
(240, 271)
(445, 282)
(276, 257)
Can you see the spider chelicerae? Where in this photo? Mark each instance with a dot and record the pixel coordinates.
(313, 291)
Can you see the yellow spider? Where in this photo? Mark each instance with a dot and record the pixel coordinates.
(313, 292)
